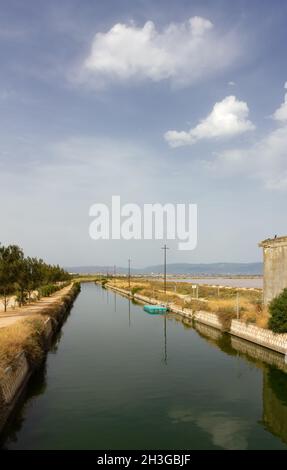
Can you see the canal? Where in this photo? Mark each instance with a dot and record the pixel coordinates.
(119, 378)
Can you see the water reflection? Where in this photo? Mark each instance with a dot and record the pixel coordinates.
(129, 312)
(275, 402)
(37, 387)
(274, 369)
(165, 337)
(227, 432)
(195, 401)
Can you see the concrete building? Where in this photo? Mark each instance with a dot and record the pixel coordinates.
(275, 267)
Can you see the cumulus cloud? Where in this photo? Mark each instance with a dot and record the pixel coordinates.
(182, 52)
(281, 113)
(227, 118)
(265, 160)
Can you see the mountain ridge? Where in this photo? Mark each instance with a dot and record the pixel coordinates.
(178, 268)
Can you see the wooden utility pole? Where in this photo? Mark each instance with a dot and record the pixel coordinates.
(129, 272)
(237, 305)
(165, 248)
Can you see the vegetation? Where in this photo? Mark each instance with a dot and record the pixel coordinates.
(20, 275)
(220, 300)
(28, 335)
(49, 289)
(278, 313)
(25, 335)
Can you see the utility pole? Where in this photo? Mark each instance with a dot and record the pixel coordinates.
(114, 276)
(237, 305)
(165, 248)
(129, 272)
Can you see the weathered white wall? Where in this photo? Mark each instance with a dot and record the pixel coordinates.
(275, 267)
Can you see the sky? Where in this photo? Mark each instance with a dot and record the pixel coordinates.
(155, 101)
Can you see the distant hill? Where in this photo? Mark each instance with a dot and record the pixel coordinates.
(179, 268)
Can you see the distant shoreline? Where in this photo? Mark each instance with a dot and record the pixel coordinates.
(213, 276)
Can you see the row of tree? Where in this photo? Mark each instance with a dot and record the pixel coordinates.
(22, 275)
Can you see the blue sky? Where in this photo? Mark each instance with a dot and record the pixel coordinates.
(157, 101)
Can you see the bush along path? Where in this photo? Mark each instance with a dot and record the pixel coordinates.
(48, 300)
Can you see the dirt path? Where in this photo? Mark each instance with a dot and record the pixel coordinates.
(8, 318)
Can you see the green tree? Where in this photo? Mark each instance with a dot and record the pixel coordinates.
(278, 313)
(24, 274)
(10, 257)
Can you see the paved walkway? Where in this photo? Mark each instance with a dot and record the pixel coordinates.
(12, 316)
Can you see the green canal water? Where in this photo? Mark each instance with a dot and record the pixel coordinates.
(119, 378)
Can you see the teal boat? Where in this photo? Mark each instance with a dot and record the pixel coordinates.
(155, 308)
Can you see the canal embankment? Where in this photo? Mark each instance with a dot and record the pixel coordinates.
(25, 340)
(236, 327)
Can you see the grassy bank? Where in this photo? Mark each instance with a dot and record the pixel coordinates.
(226, 302)
(28, 335)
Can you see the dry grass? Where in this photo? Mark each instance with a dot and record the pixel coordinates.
(24, 335)
(222, 301)
(258, 318)
(28, 334)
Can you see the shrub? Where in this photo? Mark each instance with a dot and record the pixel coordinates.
(49, 289)
(135, 290)
(278, 313)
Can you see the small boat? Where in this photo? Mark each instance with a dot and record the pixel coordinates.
(155, 308)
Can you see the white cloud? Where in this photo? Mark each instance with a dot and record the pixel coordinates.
(182, 52)
(281, 113)
(265, 160)
(227, 118)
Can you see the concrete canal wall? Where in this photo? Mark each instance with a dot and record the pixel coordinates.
(254, 334)
(263, 337)
(16, 376)
(259, 353)
(208, 318)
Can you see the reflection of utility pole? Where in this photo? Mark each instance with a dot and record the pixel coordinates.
(129, 272)
(129, 312)
(165, 248)
(165, 340)
(115, 301)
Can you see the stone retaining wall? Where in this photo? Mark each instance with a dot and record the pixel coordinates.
(259, 353)
(207, 318)
(261, 336)
(14, 377)
(48, 328)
